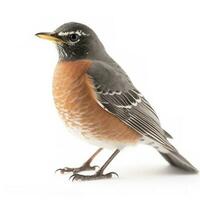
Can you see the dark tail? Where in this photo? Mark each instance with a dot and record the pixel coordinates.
(175, 159)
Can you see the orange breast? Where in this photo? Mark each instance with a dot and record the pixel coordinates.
(76, 102)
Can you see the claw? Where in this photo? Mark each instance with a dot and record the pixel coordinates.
(114, 173)
(65, 169)
(57, 170)
(77, 177)
(72, 177)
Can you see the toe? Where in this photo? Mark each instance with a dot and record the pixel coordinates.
(77, 177)
(97, 176)
(64, 170)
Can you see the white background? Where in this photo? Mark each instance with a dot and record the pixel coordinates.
(156, 42)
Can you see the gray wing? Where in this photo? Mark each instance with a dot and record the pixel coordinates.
(117, 95)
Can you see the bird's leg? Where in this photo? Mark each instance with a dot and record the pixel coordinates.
(99, 174)
(85, 167)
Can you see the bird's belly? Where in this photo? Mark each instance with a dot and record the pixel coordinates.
(91, 123)
(81, 112)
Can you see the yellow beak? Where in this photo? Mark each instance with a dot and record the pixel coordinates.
(50, 36)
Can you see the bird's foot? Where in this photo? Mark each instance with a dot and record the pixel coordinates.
(84, 167)
(97, 176)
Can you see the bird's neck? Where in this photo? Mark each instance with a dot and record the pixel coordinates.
(100, 54)
(71, 69)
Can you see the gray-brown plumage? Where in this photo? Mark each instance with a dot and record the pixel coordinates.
(97, 100)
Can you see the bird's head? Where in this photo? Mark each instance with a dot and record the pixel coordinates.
(75, 41)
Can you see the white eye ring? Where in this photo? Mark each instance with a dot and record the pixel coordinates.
(74, 37)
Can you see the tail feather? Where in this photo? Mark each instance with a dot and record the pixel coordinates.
(167, 135)
(175, 159)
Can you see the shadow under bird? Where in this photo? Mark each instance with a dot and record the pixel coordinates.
(98, 101)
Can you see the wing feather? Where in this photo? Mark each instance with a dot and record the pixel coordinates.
(117, 95)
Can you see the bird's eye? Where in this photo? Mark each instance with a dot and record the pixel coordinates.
(74, 37)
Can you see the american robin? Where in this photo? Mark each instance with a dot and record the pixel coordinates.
(97, 100)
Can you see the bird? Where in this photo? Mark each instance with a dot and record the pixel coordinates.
(97, 100)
